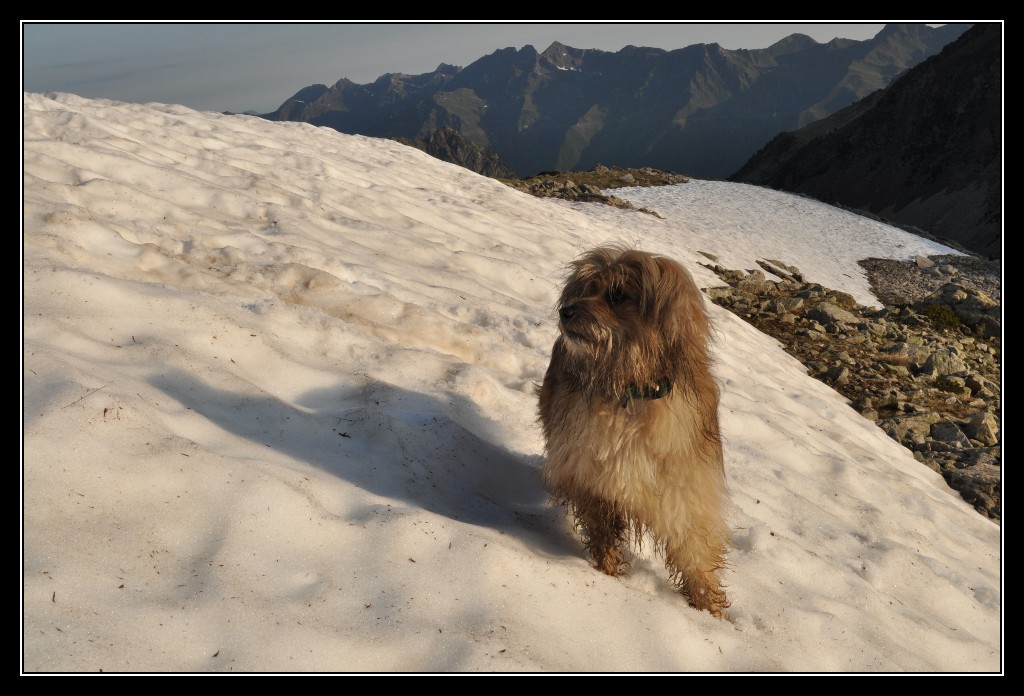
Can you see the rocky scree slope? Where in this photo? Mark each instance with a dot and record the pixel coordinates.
(926, 367)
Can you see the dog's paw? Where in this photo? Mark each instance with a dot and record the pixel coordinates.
(705, 598)
(611, 563)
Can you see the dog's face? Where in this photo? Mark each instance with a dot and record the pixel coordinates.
(626, 318)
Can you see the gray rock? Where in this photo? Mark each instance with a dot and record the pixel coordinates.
(755, 283)
(944, 361)
(949, 432)
(983, 427)
(839, 375)
(905, 428)
(719, 293)
(828, 313)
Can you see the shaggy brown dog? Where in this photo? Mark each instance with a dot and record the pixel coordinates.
(630, 415)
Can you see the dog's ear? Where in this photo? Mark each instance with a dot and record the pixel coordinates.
(679, 304)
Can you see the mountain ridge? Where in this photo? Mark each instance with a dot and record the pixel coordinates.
(925, 151)
(700, 109)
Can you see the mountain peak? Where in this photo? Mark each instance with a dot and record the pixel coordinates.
(792, 43)
(563, 57)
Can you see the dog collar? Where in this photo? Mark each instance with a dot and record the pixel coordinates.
(662, 388)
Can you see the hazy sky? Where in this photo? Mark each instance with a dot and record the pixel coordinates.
(257, 66)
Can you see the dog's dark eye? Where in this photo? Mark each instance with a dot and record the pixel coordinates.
(616, 295)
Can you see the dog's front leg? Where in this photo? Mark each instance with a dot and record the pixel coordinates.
(604, 535)
(694, 569)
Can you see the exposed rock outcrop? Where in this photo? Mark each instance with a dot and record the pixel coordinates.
(929, 379)
(589, 186)
(450, 145)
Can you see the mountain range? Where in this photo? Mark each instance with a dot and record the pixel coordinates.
(702, 110)
(926, 151)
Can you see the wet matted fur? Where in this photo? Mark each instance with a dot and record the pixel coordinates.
(629, 410)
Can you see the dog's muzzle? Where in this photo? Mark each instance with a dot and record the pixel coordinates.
(573, 324)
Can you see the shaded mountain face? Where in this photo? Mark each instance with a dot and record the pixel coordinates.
(700, 110)
(452, 146)
(926, 151)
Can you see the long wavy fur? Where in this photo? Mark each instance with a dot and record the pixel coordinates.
(629, 409)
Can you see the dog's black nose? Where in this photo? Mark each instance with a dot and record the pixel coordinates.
(567, 312)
